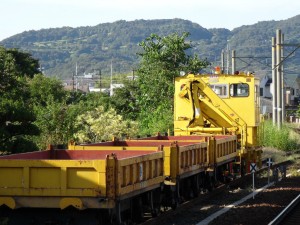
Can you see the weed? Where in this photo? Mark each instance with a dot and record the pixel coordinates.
(283, 139)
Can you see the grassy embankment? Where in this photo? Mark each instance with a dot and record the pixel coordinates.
(280, 144)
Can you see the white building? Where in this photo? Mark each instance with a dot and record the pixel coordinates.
(292, 89)
(266, 86)
(114, 86)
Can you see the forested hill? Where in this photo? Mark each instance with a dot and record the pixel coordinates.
(95, 47)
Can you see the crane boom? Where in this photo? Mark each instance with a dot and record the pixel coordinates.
(208, 106)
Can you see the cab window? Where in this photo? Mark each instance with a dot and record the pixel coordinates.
(239, 90)
(220, 89)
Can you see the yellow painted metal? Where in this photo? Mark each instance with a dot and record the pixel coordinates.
(52, 177)
(8, 201)
(115, 148)
(187, 160)
(166, 150)
(75, 202)
(139, 173)
(63, 183)
(223, 112)
(167, 160)
(55, 202)
(224, 109)
(211, 153)
(178, 160)
(225, 149)
(252, 136)
(203, 104)
(210, 130)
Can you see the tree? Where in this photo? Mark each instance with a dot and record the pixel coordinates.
(124, 100)
(8, 72)
(57, 109)
(26, 65)
(162, 60)
(42, 88)
(16, 114)
(100, 125)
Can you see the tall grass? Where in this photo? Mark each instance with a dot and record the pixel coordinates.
(282, 139)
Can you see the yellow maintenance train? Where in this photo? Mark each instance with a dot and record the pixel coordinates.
(216, 119)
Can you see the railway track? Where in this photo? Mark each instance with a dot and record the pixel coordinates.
(197, 210)
(290, 215)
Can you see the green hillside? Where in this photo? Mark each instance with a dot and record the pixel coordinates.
(93, 48)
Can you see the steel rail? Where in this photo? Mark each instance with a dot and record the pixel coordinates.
(283, 214)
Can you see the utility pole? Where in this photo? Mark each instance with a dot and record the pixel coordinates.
(279, 78)
(274, 81)
(133, 74)
(73, 83)
(277, 70)
(222, 62)
(228, 55)
(283, 100)
(76, 70)
(111, 72)
(76, 76)
(233, 62)
(100, 81)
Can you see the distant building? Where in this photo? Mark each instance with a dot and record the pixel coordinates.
(103, 90)
(113, 87)
(292, 89)
(132, 77)
(292, 93)
(266, 87)
(86, 83)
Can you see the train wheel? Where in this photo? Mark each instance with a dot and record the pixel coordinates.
(137, 209)
(196, 185)
(118, 213)
(170, 197)
(210, 182)
(175, 195)
(189, 188)
(4, 214)
(155, 202)
(174, 205)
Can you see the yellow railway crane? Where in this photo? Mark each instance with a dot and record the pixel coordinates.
(220, 104)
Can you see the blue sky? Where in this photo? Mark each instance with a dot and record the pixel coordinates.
(23, 15)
